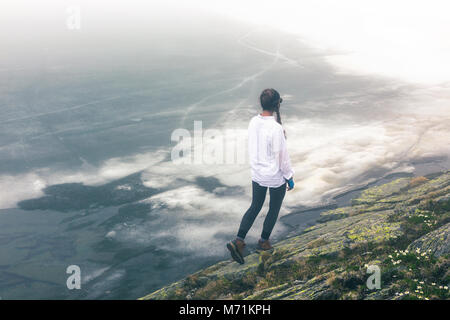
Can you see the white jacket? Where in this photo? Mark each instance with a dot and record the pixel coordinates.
(268, 155)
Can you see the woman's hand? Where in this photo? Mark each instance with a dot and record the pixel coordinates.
(290, 184)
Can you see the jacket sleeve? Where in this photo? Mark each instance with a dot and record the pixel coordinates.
(252, 145)
(284, 159)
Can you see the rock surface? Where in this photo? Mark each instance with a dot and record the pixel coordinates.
(328, 260)
(437, 242)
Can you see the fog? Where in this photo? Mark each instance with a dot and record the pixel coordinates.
(91, 111)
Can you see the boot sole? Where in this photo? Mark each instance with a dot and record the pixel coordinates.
(235, 253)
(259, 250)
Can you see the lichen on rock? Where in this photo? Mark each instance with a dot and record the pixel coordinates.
(327, 260)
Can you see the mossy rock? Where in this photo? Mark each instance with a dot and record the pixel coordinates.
(375, 218)
(436, 242)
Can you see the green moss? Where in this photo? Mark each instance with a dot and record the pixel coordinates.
(382, 192)
(328, 260)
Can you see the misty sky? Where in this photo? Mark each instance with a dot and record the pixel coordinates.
(405, 39)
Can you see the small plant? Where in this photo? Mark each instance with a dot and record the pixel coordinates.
(418, 274)
(414, 182)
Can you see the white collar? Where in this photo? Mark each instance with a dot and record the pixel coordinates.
(266, 117)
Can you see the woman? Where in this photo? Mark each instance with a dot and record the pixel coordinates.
(270, 168)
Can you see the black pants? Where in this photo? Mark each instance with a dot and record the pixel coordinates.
(258, 197)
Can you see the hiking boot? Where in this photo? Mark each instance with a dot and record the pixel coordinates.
(264, 246)
(236, 248)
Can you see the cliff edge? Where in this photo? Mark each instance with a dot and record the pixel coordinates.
(402, 227)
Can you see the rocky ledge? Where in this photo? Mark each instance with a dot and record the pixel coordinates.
(402, 227)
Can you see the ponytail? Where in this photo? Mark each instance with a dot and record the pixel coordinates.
(270, 100)
(277, 110)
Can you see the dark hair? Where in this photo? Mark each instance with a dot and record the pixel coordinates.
(270, 100)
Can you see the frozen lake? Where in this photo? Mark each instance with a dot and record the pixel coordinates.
(85, 139)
